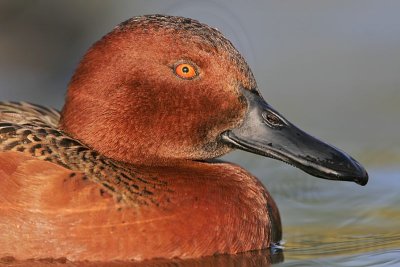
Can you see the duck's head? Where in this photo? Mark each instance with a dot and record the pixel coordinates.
(159, 89)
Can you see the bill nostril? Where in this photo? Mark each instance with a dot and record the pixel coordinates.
(272, 119)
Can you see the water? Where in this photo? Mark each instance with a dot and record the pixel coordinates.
(341, 224)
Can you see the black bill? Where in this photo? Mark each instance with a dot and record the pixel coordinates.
(266, 132)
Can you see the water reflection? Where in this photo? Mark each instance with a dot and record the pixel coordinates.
(378, 258)
(249, 259)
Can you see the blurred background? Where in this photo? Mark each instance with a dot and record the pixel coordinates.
(331, 67)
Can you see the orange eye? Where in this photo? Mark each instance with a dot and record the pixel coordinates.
(185, 71)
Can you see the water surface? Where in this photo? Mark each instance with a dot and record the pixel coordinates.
(341, 224)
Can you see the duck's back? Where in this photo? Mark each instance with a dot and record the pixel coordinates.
(32, 131)
(23, 112)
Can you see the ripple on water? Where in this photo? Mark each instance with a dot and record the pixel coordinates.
(376, 259)
(341, 224)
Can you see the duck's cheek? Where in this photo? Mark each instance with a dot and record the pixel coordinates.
(206, 132)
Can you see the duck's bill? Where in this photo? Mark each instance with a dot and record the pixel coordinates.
(264, 131)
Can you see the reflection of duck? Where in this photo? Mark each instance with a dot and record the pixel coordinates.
(258, 258)
(122, 176)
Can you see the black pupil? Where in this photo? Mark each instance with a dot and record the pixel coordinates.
(185, 69)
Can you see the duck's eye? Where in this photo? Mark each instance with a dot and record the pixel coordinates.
(185, 71)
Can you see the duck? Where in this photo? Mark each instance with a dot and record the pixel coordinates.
(129, 169)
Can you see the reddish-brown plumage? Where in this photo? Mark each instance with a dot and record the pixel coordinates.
(125, 87)
(46, 211)
(126, 103)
